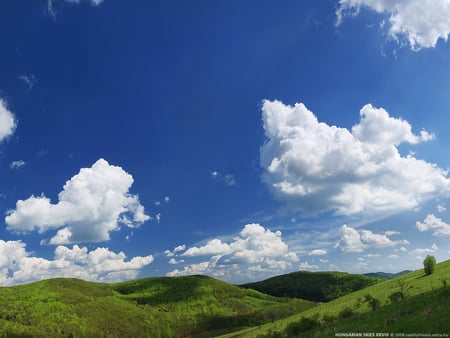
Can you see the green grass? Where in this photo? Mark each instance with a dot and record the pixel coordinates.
(150, 307)
(425, 308)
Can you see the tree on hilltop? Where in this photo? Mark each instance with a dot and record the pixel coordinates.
(429, 265)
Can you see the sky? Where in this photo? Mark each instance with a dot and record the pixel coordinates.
(235, 139)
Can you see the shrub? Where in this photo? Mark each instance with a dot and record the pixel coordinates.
(396, 297)
(429, 265)
(372, 301)
(305, 324)
(346, 313)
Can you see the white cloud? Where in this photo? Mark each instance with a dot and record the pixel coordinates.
(353, 240)
(307, 266)
(393, 256)
(441, 208)
(92, 204)
(317, 252)
(17, 164)
(178, 248)
(255, 250)
(392, 233)
(51, 4)
(167, 199)
(101, 265)
(173, 261)
(421, 22)
(8, 122)
(195, 269)
(213, 247)
(372, 255)
(435, 224)
(316, 167)
(431, 250)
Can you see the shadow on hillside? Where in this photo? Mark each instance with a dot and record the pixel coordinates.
(158, 291)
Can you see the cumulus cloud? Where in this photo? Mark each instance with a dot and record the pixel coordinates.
(316, 167)
(353, 240)
(307, 266)
(176, 250)
(8, 122)
(17, 265)
(420, 251)
(421, 22)
(254, 250)
(434, 224)
(91, 205)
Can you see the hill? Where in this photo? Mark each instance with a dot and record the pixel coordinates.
(387, 275)
(150, 307)
(410, 304)
(313, 286)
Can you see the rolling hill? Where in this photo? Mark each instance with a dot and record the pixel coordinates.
(150, 307)
(313, 286)
(387, 275)
(410, 304)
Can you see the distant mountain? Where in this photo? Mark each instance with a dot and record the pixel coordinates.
(387, 275)
(313, 286)
(149, 307)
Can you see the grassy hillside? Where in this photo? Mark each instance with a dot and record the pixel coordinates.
(413, 303)
(314, 286)
(151, 307)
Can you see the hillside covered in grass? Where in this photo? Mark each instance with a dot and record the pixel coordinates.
(314, 286)
(412, 303)
(150, 307)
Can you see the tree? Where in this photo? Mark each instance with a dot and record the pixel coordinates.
(429, 265)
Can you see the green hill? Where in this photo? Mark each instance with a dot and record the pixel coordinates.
(387, 275)
(150, 307)
(314, 286)
(411, 304)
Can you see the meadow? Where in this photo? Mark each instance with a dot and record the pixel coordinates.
(414, 303)
(200, 306)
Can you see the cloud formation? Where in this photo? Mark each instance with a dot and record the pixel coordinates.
(256, 250)
(51, 4)
(421, 22)
(91, 205)
(317, 252)
(353, 240)
(316, 167)
(17, 164)
(8, 122)
(19, 266)
(434, 224)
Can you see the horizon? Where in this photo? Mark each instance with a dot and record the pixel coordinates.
(235, 140)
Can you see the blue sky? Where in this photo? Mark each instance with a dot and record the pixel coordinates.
(235, 139)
